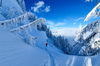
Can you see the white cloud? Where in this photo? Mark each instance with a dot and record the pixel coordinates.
(65, 31)
(58, 29)
(88, 0)
(59, 24)
(40, 7)
(80, 18)
(74, 23)
(47, 9)
(69, 33)
(37, 6)
(52, 24)
(93, 13)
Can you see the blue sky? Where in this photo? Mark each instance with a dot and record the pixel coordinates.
(63, 13)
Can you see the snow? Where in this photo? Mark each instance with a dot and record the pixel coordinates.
(15, 52)
(26, 46)
(12, 4)
(68, 33)
(93, 13)
(12, 8)
(96, 39)
(79, 35)
(18, 21)
(34, 24)
(22, 5)
(2, 18)
(86, 35)
(29, 32)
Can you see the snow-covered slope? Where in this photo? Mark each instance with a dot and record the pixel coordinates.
(12, 4)
(19, 21)
(22, 4)
(2, 18)
(23, 40)
(30, 30)
(15, 52)
(12, 8)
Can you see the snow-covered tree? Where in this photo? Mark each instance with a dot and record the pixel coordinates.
(79, 37)
(12, 13)
(32, 17)
(94, 12)
(99, 31)
(62, 43)
(22, 5)
(48, 33)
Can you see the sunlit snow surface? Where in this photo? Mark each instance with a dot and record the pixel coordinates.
(15, 52)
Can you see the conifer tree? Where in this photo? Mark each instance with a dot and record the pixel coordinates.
(79, 37)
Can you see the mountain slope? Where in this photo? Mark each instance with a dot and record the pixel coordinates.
(22, 5)
(12, 8)
(32, 50)
(15, 52)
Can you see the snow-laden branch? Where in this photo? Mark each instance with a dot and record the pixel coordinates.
(93, 13)
(24, 16)
(34, 24)
(91, 26)
(18, 20)
(23, 30)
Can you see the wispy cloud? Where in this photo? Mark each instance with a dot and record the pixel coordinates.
(52, 24)
(59, 29)
(88, 0)
(47, 9)
(74, 23)
(65, 31)
(80, 18)
(40, 7)
(59, 24)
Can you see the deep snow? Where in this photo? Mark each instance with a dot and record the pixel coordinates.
(15, 52)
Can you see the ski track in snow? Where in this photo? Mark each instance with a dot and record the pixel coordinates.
(51, 59)
(87, 62)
